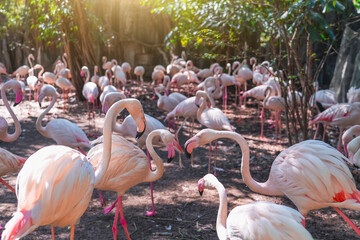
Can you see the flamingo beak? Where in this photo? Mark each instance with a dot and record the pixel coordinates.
(201, 192)
(189, 147)
(139, 134)
(19, 97)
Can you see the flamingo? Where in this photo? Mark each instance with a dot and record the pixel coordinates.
(10, 162)
(226, 80)
(126, 68)
(353, 95)
(24, 69)
(66, 87)
(139, 71)
(174, 95)
(276, 104)
(110, 98)
(22, 84)
(126, 129)
(164, 102)
(212, 118)
(342, 115)
(107, 89)
(2, 65)
(350, 134)
(352, 148)
(212, 87)
(104, 80)
(31, 81)
(119, 74)
(65, 71)
(3, 71)
(90, 90)
(256, 220)
(184, 77)
(204, 73)
(107, 65)
(47, 77)
(62, 131)
(129, 166)
(55, 185)
(157, 76)
(312, 174)
(241, 74)
(95, 77)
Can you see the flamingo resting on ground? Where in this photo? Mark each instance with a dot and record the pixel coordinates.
(212, 118)
(129, 166)
(64, 176)
(62, 131)
(312, 174)
(256, 220)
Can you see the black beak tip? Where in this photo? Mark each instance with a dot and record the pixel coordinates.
(188, 155)
(15, 104)
(197, 105)
(170, 160)
(201, 193)
(40, 104)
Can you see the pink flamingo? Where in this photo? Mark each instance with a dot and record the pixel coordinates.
(65, 176)
(212, 118)
(95, 77)
(350, 134)
(164, 102)
(107, 65)
(66, 87)
(107, 89)
(31, 81)
(105, 80)
(9, 162)
(126, 129)
(129, 166)
(62, 131)
(157, 76)
(352, 149)
(353, 95)
(65, 71)
(212, 87)
(256, 220)
(139, 71)
(126, 69)
(241, 74)
(3, 71)
(226, 80)
(275, 103)
(342, 115)
(312, 174)
(185, 77)
(24, 69)
(119, 74)
(47, 77)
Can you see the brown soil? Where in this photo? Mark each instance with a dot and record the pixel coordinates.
(182, 213)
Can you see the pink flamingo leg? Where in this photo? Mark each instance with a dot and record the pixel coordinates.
(30, 96)
(325, 127)
(153, 212)
(107, 210)
(210, 148)
(262, 123)
(102, 201)
(303, 221)
(72, 232)
(82, 151)
(356, 229)
(225, 98)
(7, 185)
(52, 232)
(215, 153)
(122, 219)
(276, 125)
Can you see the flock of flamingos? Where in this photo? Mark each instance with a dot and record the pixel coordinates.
(55, 184)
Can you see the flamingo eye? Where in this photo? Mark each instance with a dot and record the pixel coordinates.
(354, 136)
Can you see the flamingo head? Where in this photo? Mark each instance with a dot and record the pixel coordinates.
(19, 96)
(206, 182)
(203, 137)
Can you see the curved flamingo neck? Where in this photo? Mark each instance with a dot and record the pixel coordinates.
(266, 188)
(64, 58)
(237, 67)
(154, 175)
(268, 93)
(202, 106)
(16, 134)
(228, 66)
(29, 60)
(222, 211)
(41, 71)
(39, 127)
(87, 75)
(96, 70)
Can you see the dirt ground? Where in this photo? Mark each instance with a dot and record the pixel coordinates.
(182, 212)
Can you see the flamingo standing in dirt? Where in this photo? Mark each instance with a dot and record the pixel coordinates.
(226, 81)
(212, 118)
(24, 69)
(62, 131)
(119, 74)
(275, 103)
(107, 89)
(32, 81)
(342, 115)
(129, 166)
(47, 77)
(105, 80)
(312, 174)
(9, 162)
(66, 87)
(256, 220)
(63, 175)
(64, 71)
(241, 74)
(212, 87)
(139, 71)
(126, 129)
(126, 69)
(165, 102)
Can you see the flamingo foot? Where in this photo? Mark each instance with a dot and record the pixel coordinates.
(150, 213)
